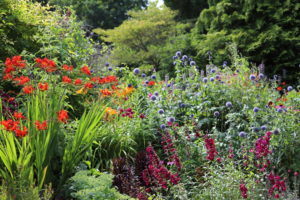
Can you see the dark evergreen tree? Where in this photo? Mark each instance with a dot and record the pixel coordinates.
(187, 8)
(265, 31)
(104, 14)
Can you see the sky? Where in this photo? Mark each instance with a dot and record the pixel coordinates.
(160, 2)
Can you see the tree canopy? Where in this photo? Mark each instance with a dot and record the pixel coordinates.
(264, 31)
(139, 39)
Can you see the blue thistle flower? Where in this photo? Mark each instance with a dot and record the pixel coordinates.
(171, 119)
(264, 127)
(153, 76)
(205, 80)
(192, 63)
(184, 57)
(212, 70)
(143, 75)
(242, 134)
(252, 77)
(161, 111)
(289, 88)
(212, 79)
(228, 104)
(178, 53)
(216, 113)
(136, 71)
(256, 109)
(261, 76)
(162, 126)
(110, 68)
(153, 98)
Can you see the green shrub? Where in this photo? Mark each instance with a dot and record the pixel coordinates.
(86, 186)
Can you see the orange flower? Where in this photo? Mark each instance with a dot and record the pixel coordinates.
(41, 126)
(28, 89)
(106, 92)
(43, 86)
(66, 79)
(63, 116)
(22, 80)
(21, 133)
(19, 115)
(48, 65)
(125, 92)
(86, 70)
(68, 68)
(10, 125)
(111, 111)
(78, 81)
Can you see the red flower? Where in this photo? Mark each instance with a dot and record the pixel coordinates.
(41, 126)
(66, 79)
(43, 86)
(9, 69)
(10, 125)
(22, 80)
(48, 65)
(108, 79)
(78, 81)
(88, 85)
(86, 70)
(63, 116)
(95, 79)
(28, 89)
(279, 88)
(67, 68)
(151, 83)
(7, 76)
(21, 133)
(16, 61)
(19, 115)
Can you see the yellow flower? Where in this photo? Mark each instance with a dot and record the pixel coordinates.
(82, 91)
